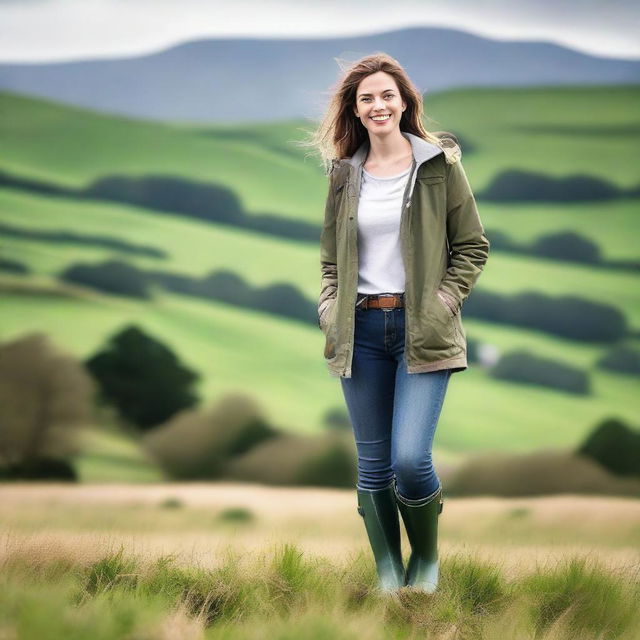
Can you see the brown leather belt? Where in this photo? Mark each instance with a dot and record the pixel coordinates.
(380, 301)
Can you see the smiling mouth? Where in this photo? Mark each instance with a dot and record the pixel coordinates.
(381, 118)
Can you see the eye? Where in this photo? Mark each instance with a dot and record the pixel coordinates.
(387, 95)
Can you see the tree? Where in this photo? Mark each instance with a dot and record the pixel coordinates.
(142, 378)
(45, 397)
(615, 446)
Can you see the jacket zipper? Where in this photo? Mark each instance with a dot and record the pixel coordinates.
(353, 218)
(406, 205)
(406, 202)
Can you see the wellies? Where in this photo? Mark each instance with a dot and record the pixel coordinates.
(421, 522)
(380, 513)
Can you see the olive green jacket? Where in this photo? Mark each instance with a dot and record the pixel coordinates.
(444, 249)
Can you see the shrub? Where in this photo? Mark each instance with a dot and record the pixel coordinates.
(13, 265)
(567, 316)
(567, 245)
(280, 299)
(538, 473)
(236, 515)
(200, 445)
(112, 276)
(621, 359)
(169, 193)
(289, 459)
(615, 446)
(521, 366)
(40, 469)
(501, 241)
(527, 186)
(332, 467)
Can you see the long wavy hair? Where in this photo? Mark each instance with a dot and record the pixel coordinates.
(340, 133)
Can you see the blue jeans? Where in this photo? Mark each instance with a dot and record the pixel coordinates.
(394, 413)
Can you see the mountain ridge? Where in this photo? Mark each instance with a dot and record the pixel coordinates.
(241, 80)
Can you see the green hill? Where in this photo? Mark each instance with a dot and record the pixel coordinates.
(72, 147)
(557, 131)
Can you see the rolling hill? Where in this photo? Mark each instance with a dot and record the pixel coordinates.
(279, 361)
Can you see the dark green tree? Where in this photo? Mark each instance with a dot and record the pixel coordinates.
(142, 378)
(615, 446)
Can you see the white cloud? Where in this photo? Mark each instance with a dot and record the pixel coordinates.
(37, 30)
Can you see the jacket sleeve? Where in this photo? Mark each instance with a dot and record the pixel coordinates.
(468, 245)
(328, 259)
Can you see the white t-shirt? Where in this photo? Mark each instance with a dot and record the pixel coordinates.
(380, 266)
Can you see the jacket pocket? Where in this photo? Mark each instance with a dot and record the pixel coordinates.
(438, 334)
(326, 314)
(330, 329)
(453, 311)
(431, 179)
(330, 343)
(448, 303)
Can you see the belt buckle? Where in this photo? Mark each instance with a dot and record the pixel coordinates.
(386, 295)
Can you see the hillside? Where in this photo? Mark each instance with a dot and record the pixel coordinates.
(279, 360)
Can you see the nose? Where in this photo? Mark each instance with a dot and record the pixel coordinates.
(379, 104)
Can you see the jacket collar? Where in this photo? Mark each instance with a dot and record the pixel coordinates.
(422, 150)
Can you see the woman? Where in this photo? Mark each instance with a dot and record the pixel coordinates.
(401, 247)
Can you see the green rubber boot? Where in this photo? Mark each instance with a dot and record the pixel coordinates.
(421, 521)
(380, 513)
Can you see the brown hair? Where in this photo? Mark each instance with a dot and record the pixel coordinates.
(340, 133)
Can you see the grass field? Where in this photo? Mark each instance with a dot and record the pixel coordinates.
(245, 561)
(190, 245)
(297, 398)
(558, 131)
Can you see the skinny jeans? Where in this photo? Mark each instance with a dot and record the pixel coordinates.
(394, 414)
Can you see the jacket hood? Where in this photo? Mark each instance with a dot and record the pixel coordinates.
(422, 150)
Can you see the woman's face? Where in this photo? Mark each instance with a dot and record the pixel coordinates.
(378, 95)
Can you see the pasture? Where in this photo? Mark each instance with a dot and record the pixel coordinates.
(244, 561)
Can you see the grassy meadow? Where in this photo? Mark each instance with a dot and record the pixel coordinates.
(124, 554)
(233, 561)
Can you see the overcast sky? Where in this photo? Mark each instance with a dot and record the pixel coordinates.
(46, 30)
